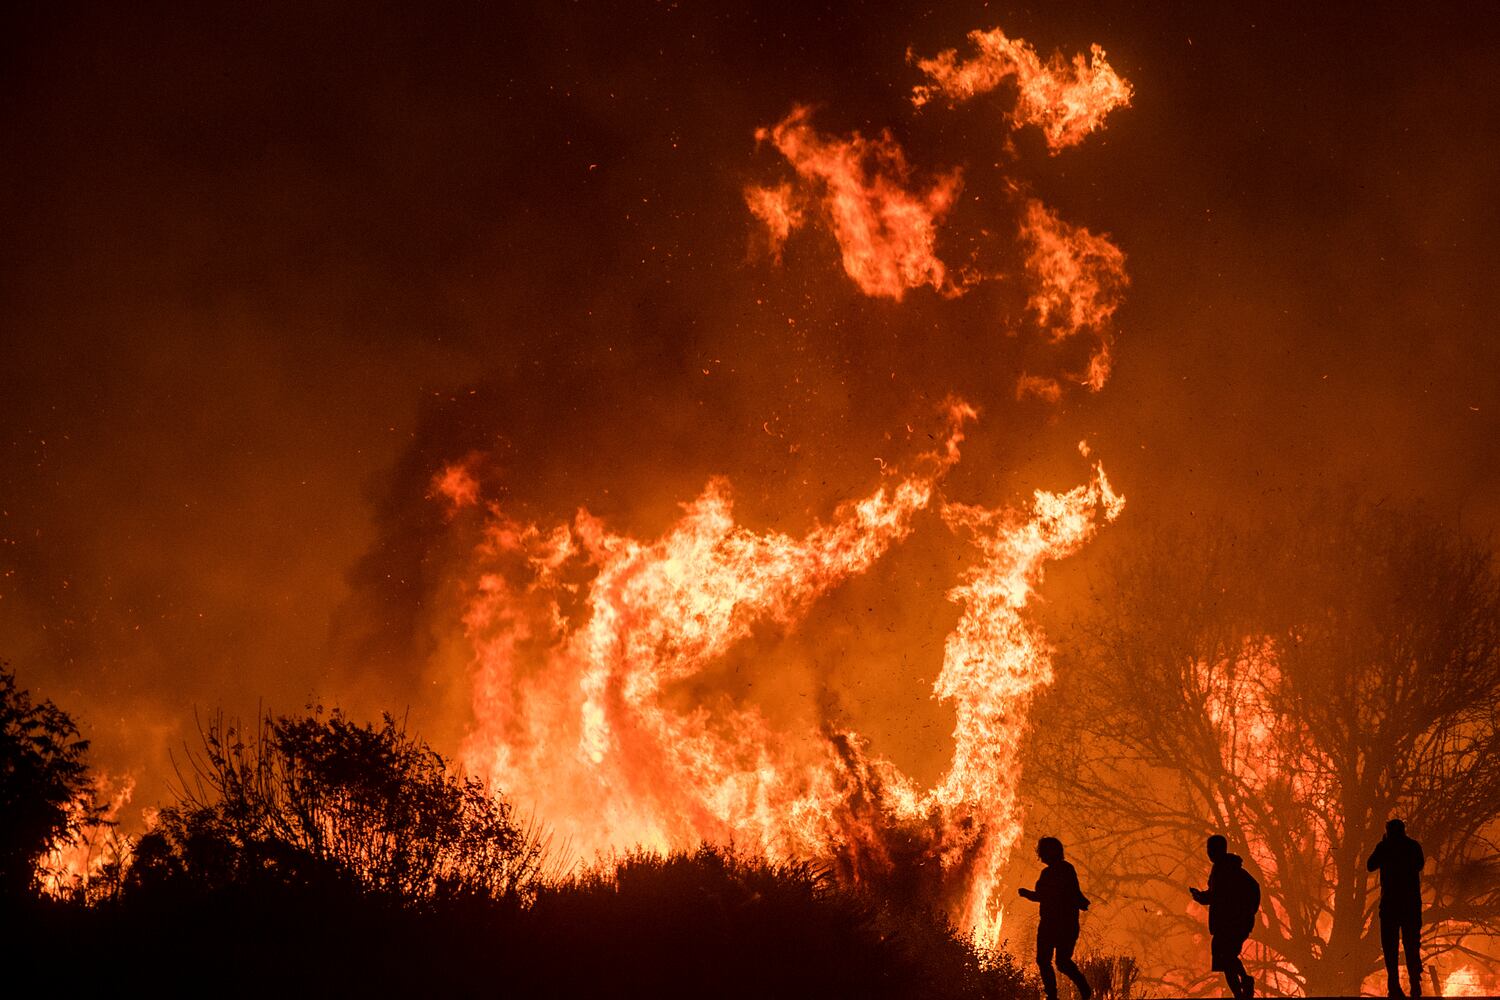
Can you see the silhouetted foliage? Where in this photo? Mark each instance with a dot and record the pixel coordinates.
(45, 793)
(318, 856)
(705, 923)
(712, 922)
(319, 799)
(1292, 681)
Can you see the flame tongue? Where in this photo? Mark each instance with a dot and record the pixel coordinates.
(569, 712)
(579, 632)
(1065, 99)
(992, 663)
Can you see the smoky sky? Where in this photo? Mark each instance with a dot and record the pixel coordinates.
(267, 269)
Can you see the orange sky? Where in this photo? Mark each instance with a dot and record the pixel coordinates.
(267, 273)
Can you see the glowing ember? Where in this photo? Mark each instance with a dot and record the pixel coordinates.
(1467, 981)
(1066, 100)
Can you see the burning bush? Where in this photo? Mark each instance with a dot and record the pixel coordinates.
(320, 851)
(46, 796)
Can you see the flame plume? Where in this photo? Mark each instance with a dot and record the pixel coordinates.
(886, 229)
(585, 639)
(1077, 282)
(1066, 100)
(580, 632)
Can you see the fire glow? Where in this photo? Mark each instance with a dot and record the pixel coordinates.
(581, 635)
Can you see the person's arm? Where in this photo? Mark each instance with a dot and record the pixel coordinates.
(1029, 894)
(1079, 899)
(1204, 896)
(1374, 861)
(1421, 858)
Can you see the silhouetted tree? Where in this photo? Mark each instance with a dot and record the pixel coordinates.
(1290, 681)
(310, 800)
(45, 793)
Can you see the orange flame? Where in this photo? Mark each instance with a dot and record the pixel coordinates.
(585, 639)
(579, 634)
(1467, 981)
(1066, 100)
(1261, 749)
(1039, 387)
(886, 230)
(457, 485)
(72, 864)
(992, 664)
(1077, 282)
(775, 208)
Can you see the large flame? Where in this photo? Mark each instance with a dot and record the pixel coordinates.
(580, 635)
(593, 699)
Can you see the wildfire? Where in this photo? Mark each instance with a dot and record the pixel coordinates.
(1467, 981)
(592, 648)
(887, 225)
(1066, 100)
(580, 635)
(992, 663)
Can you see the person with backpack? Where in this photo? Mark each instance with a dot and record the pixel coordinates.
(1233, 900)
(1400, 861)
(1061, 898)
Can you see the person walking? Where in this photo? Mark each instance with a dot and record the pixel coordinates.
(1061, 898)
(1233, 900)
(1400, 861)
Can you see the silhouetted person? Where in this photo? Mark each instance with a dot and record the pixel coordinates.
(1233, 899)
(1057, 931)
(1399, 860)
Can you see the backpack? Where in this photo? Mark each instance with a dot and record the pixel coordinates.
(1247, 897)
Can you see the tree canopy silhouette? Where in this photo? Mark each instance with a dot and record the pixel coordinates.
(1291, 681)
(45, 792)
(306, 801)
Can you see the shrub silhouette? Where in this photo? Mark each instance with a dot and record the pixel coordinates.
(45, 794)
(712, 922)
(318, 856)
(308, 801)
